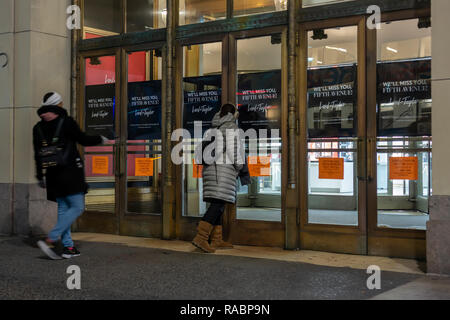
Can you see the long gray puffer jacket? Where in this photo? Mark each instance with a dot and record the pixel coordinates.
(220, 178)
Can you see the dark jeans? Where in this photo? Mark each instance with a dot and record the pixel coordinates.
(215, 212)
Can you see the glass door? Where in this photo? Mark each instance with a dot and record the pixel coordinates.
(200, 97)
(124, 176)
(257, 218)
(98, 116)
(141, 174)
(365, 147)
(234, 69)
(332, 115)
(400, 150)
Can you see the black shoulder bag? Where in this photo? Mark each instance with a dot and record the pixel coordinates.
(52, 154)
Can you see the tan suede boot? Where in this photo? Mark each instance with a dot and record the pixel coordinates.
(217, 240)
(201, 239)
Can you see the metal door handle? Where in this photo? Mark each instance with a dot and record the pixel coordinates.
(117, 152)
(370, 156)
(360, 156)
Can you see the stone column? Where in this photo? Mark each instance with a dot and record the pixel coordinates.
(34, 36)
(438, 228)
(6, 114)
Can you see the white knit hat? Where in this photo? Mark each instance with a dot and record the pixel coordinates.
(53, 100)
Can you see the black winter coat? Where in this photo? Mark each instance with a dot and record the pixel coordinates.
(70, 179)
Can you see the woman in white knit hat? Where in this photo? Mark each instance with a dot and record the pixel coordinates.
(63, 178)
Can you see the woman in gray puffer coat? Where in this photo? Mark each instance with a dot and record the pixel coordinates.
(220, 180)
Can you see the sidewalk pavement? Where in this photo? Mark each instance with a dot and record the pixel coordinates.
(304, 256)
(115, 267)
(426, 288)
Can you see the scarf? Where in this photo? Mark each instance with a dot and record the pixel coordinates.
(55, 109)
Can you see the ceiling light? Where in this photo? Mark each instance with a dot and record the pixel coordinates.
(210, 18)
(392, 50)
(337, 49)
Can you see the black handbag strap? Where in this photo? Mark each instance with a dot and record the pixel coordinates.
(56, 136)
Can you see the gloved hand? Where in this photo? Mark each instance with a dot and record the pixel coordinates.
(104, 140)
(42, 184)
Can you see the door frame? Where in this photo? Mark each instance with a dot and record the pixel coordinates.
(402, 243)
(96, 221)
(186, 226)
(235, 231)
(367, 238)
(137, 224)
(121, 221)
(322, 237)
(252, 232)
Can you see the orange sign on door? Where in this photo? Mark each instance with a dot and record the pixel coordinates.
(403, 168)
(144, 167)
(197, 170)
(331, 168)
(259, 166)
(100, 165)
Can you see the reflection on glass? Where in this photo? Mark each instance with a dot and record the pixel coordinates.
(99, 120)
(102, 18)
(247, 7)
(143, 15)
(198, 11)
(332, 126)
(202, 86)
(259, 104)
(144, 147)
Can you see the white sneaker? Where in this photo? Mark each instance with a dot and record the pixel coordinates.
(48, 251)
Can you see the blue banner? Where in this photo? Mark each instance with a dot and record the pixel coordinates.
(100, 103)
(202, 100)
(259, 100)
(144, 110)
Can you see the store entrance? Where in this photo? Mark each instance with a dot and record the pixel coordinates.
(366, 144)
(234, 69)
(124, 176)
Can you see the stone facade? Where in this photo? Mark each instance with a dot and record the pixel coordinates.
(35, 44)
